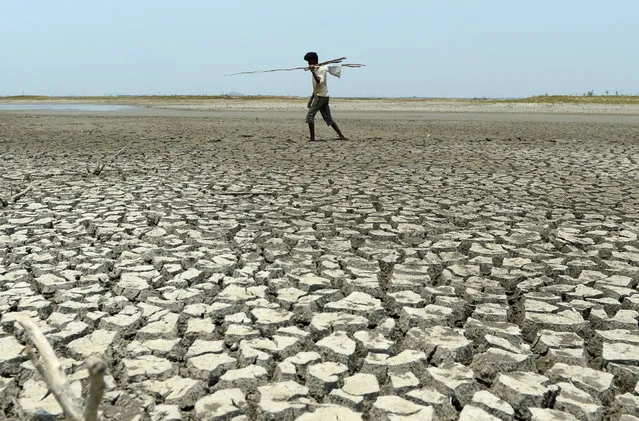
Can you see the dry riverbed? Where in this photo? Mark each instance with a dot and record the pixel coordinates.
(226, 268)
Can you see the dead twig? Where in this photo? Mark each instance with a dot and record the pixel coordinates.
(51, 371)
(21, 194)
(14, 198)
(49, 368)
(96, 368)
(99, 168)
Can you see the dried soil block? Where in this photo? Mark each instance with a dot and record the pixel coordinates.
(524, 390)
(11, 356)
(543, 414)
(209, 367)
(324, 377)
(282, 401)
(596, 383)
(223, 404)
(577, 402)
(453, 380)
(330, 412)
(489, 364)
(494, 406)
(441, 344)
(393, 407)
(246, 379)
(179, 391)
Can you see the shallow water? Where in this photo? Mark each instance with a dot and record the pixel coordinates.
(72, 107)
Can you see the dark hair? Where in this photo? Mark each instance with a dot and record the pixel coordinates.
(311, 56)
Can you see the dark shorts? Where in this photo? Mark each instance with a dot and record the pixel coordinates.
(320, 103)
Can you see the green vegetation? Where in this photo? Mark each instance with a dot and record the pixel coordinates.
(587, 98)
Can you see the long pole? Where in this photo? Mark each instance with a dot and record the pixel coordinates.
(336, 60)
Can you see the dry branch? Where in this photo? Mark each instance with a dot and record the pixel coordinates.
(19, 195)
(51, 371)
(49, 368)
(99, 168)
(96, 368)
(337, 60)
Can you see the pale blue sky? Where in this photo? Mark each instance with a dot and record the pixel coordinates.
(464, 48)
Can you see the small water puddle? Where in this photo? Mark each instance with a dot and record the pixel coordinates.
(67, 107)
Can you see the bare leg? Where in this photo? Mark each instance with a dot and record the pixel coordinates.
(311, 129)
(339, 132)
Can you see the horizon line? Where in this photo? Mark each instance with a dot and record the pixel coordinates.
(240, 95)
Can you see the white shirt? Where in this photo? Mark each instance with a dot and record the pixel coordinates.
(320, 89)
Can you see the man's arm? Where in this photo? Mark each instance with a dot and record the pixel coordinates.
(315, 76)
(310, 101)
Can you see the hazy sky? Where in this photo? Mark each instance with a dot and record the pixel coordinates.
(462, 48)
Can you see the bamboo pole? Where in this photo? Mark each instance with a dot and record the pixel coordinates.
(336, 60)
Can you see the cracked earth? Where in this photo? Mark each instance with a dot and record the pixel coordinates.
(227, 269)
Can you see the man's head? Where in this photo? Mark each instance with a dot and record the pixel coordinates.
(311, 57)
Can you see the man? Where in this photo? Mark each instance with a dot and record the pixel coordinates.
(319, 100)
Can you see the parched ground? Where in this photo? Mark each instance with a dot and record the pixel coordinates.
(226, 268)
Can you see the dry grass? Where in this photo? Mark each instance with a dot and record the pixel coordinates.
(25, 97)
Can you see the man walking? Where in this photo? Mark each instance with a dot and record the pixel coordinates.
(319, 100)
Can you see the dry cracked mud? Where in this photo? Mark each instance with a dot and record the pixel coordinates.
(227, 269)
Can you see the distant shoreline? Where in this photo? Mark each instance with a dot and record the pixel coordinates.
(347, 108)
(541, 99)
